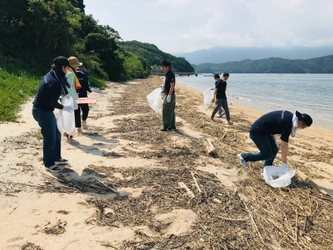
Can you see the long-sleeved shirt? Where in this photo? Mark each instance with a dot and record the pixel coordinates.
(48, 93)
(83, 79)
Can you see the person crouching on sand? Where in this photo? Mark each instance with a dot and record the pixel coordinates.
(263, 133)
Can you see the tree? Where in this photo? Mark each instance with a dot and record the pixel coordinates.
(78, 4)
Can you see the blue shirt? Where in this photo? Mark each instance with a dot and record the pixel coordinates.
(48, 93)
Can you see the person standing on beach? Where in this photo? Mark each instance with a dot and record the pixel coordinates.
(53, 85)
(221, 111)
(74, 83)
(263, 133)
(169, 99)
(82, 92)
(220, 97)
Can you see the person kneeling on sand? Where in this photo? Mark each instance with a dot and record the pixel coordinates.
(263, 133)
(53, 85)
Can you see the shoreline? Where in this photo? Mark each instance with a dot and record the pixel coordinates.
(257, 112)
(252, 114)
(124, 150)
(262, 105)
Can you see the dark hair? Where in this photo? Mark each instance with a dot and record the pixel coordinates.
(226, 74)
(304, 118)
(216, 76)
(58, 62)
(165, 63)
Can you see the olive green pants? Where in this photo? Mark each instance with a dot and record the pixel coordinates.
(169, 116)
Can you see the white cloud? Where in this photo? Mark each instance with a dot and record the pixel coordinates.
(187, 25)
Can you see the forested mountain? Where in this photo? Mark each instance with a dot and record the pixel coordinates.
(153, 56)
(271, 65)
(36, 31)
(229, 54)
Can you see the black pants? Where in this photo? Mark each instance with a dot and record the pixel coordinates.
(85, 112)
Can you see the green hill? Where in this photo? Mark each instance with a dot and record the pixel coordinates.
(153, 56)
(271, 65)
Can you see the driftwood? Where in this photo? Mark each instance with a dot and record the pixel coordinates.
(251, 217)
(224, 135)
(209, 147)
(231, 219)
(217, 200)
(195, 181)
(188, 191)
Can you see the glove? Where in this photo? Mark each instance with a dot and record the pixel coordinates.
(68, 109)
(75, 106)
(169, 98)
(284, 166)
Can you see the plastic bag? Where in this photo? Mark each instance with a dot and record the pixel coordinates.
(278, 177)
(93, 95)
(65, 119)
(208, 94)
(155, 100)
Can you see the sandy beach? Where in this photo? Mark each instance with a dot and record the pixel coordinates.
(131, 186)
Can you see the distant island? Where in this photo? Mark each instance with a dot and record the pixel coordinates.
(270, 65)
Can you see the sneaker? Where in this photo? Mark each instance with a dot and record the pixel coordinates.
(165, 129)
(61, 162)
(242, 161)
(223, 112)
(55, 169)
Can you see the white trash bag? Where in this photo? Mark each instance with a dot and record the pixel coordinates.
(66, 120)
(277, 176)
(208, 95)
(93, 95)
(155, 100)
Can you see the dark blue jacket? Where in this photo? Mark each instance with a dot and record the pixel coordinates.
(48, 93)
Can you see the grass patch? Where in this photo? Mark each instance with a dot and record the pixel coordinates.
(96, 83)
(18, 82)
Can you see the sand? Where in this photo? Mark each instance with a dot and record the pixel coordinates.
(122, 188)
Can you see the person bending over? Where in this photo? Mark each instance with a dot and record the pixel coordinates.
(263, 133)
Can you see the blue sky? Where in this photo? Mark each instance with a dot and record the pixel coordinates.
(178, 26)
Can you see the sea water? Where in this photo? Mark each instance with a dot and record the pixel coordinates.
(306, 93)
